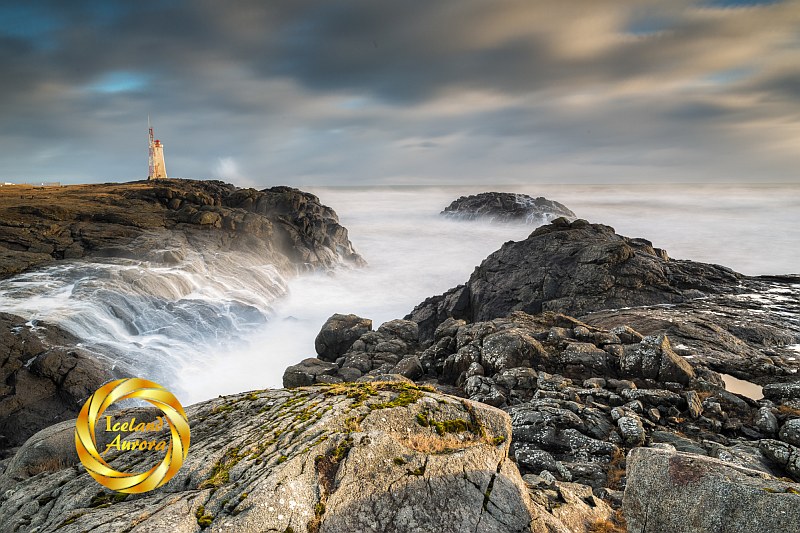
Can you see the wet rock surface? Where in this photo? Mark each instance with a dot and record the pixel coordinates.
(358, 457)
(44, 377)
(507, 207)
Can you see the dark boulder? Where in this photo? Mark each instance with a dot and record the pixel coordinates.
(338, 334)
(43, 378)
(572, 268)
(653, 358)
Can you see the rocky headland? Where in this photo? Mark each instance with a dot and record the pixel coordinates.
(45, 374)
(599, 345)
(506, 207)
(575, 382)
(145, 219)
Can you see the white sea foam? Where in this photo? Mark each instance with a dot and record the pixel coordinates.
(212, 326)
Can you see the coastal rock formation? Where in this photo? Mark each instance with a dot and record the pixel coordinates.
(673, 491)
(184, 225)
(41, 225)
(339, 333)
(572, 268)
(44, 377)
(382, 456)
(580, 396)
(506, 207)
(748, 333)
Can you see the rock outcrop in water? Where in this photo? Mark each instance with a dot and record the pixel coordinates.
(573, 268)
(44, 375)
(383, 456)
(507, 207)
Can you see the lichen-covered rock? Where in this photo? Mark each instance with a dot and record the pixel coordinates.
(631, 430)
(674, 491)
(782, 391)
(653, 358)
(790, 432)
(784, 454)
(380, 456)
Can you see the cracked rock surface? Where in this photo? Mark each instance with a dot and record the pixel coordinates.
(379, 456)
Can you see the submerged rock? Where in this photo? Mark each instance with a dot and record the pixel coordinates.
(507, 207)
(358, 457)
(674, 491)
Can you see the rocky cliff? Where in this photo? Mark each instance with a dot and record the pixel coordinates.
(372, 456)
(146, 228)
(39, 225)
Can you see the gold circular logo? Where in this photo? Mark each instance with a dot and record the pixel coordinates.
(86, 443)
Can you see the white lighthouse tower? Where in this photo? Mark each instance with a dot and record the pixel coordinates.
(157, 169)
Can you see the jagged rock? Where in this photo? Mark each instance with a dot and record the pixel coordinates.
(511, 348)
(765, 421)
(308, 372)
(790, 432)
(782, 391)
(631, 430)
(695, 405)
(572, 268)
(783, 454)
(484, 390)
(44, 377)
(653, 358)
(657, 397)
(534, 459)
(338, 334)
(404, 330)
(269, 470)
(673, 491)
(507, 207)
(409, 367)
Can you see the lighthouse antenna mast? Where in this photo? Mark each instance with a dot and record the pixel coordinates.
(151, 170)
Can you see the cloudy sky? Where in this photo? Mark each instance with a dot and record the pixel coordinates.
(400, 92)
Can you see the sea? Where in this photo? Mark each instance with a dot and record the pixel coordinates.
(209, 330)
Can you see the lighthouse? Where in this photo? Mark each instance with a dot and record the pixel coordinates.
(157, 169)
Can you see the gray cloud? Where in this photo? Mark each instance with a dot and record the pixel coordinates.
(399, 92)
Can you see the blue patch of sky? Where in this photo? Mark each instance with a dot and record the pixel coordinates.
(354, 103)
(118, 82)
(728, 76)
(648, 24)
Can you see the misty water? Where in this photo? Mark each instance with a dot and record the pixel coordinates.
(217, 326)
